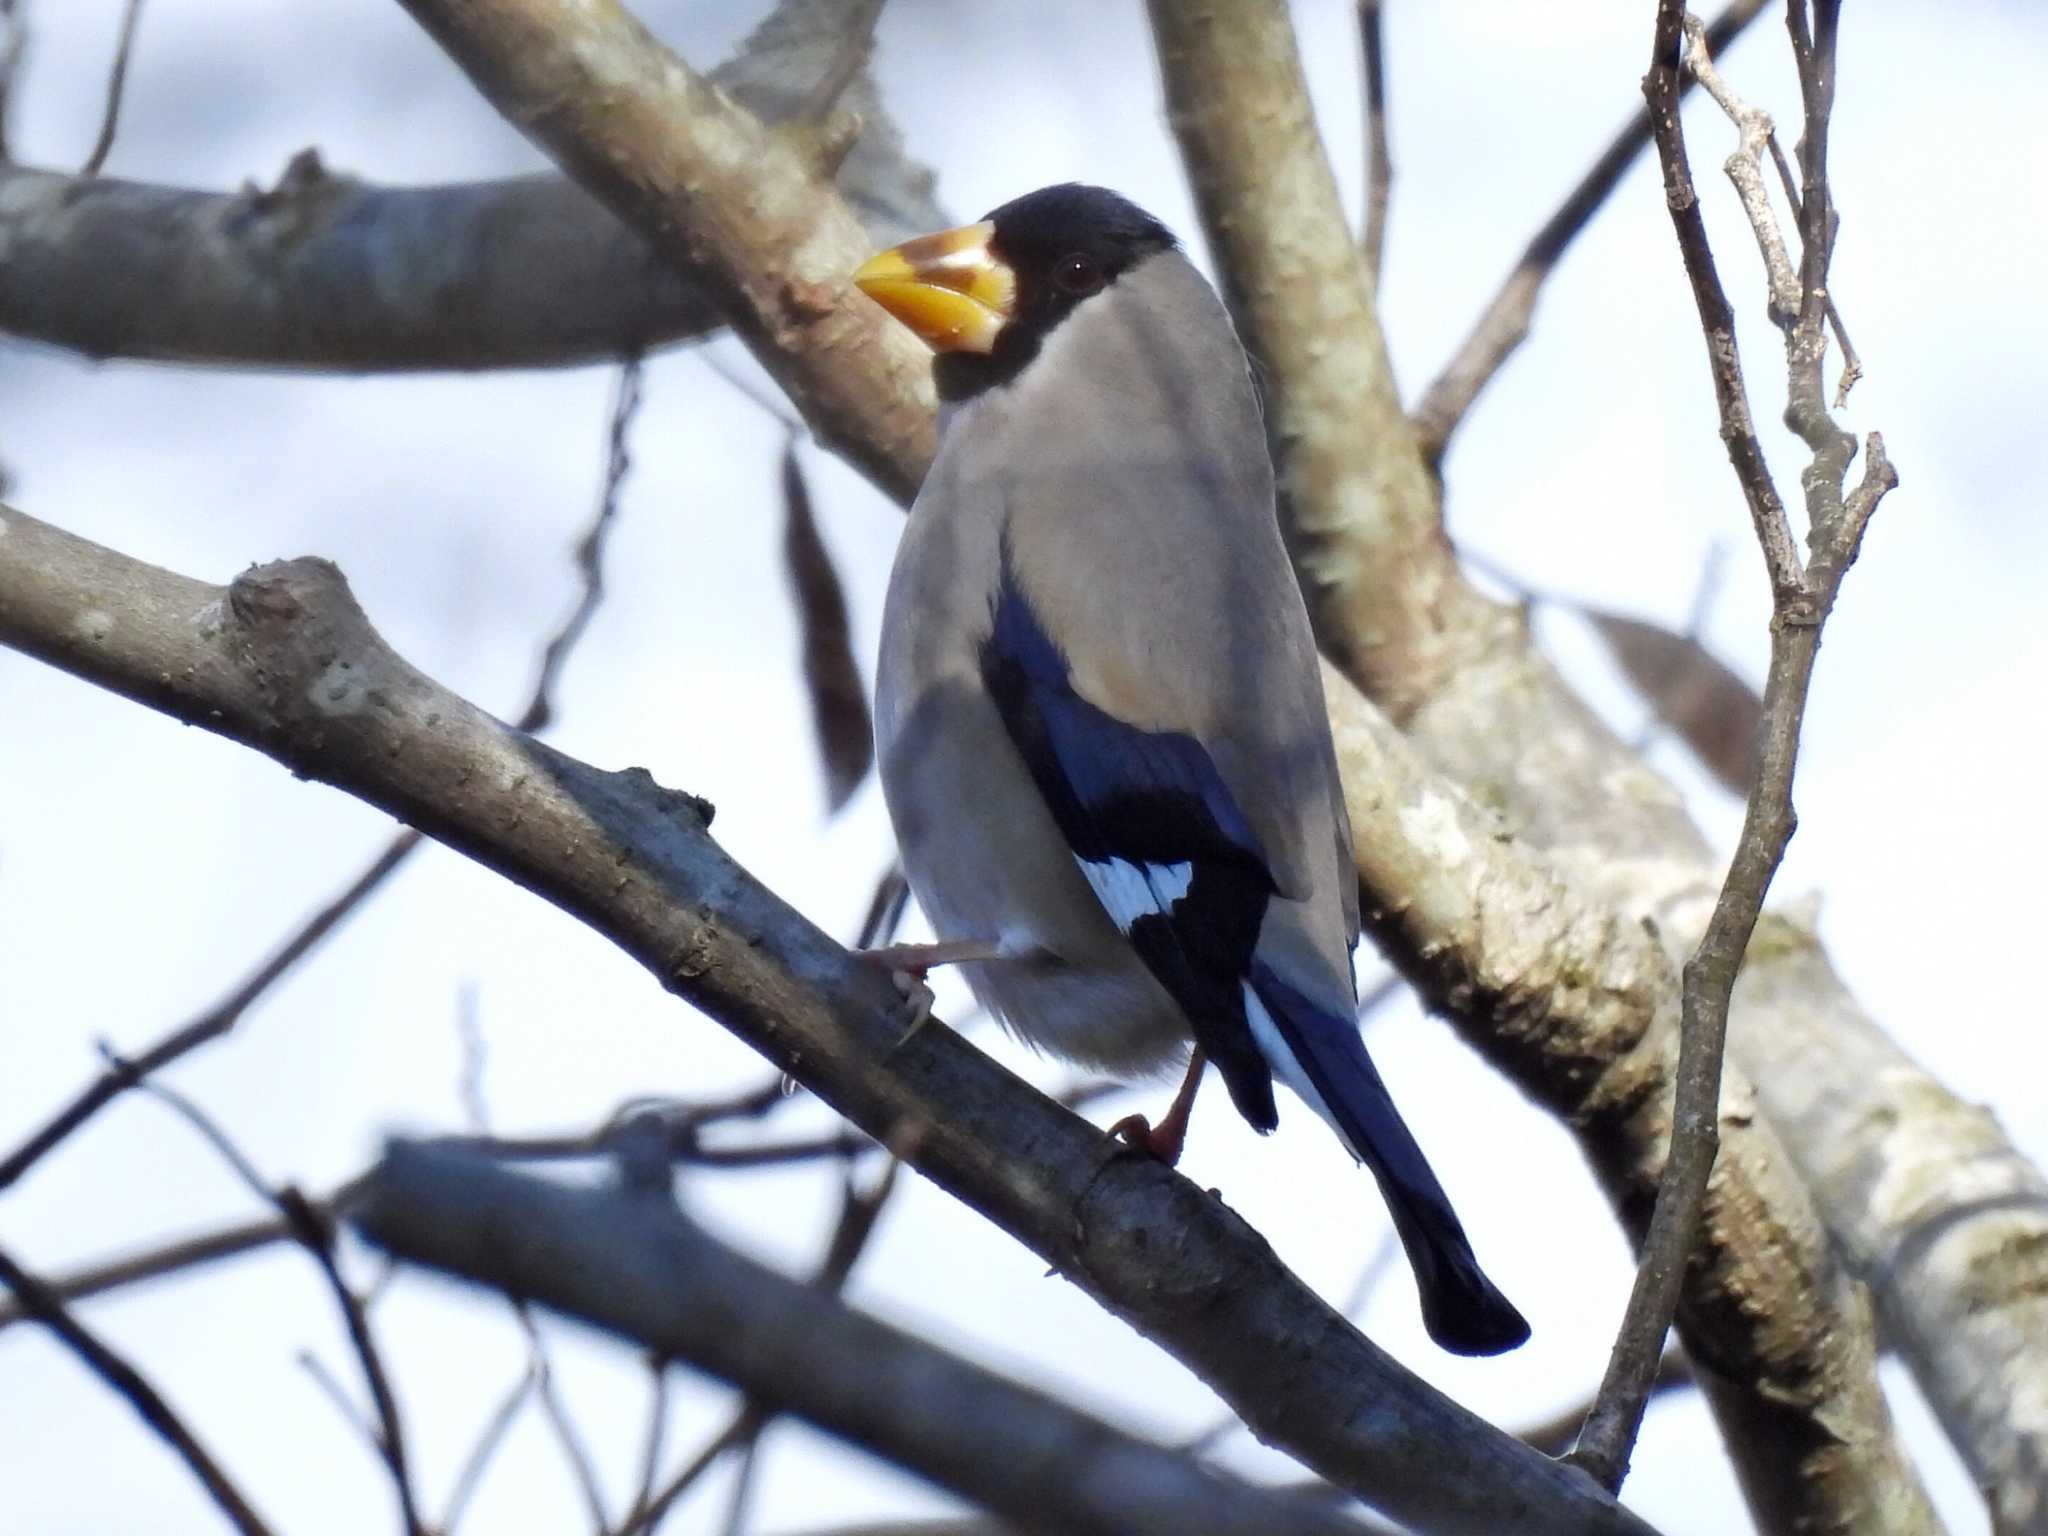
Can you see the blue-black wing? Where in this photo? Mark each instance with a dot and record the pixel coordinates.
(1155, 831)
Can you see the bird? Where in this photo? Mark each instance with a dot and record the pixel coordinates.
(1099, 715)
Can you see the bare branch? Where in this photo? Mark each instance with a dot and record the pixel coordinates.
(284, 660)
(541, 1367)
(123, 1074)
(639, 1268)
(849, 59)
(858, 1212)
(1801, 602)
(1355, 495)
(1504, 324)
(1941, 1216)
(1379, 165)
(1852, 365)
(313, 1230)
(117, 81)
(656, 1437)
(37, 1300)
(224, 1015)
(1555, 1435)
(540, 709)
(324, 271)
(470, 1478)
(746, 211)
(1505, 949)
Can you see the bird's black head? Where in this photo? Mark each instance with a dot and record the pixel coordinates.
(1064, 244)
(985, 296)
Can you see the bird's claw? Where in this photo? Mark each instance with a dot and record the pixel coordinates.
(916, 1011)
(1157, 1141)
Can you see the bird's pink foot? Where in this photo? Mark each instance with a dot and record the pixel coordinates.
(1169, 1138)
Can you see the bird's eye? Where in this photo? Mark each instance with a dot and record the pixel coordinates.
(1077, 274)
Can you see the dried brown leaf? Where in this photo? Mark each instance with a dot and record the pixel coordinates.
(1713, 711)
(839, 701)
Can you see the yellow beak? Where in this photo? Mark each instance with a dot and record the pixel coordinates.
(950, 288)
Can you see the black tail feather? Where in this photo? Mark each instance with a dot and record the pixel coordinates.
(1461, 1308)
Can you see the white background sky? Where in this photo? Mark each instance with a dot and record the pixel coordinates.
(144, 866)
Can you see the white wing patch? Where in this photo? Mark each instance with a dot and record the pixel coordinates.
(1274, 1048)
(1130, 891)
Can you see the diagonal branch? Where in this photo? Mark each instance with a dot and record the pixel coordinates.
(220, 1018)
(746, 211)
(1504, 324)
(1351, 482)
(283, 660)
(39, 1302)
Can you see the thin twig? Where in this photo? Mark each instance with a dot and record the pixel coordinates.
(470, 1478)
(154, 1263)
(1802, 597)
(655, 1438)
(117, 83)
(215, 1021)
(1554, 1436)
(225, 1014)
(1504, 324)
(859, 1210)
(1379, 166)
(313, 1229)
(331, 1388)
(739, 1500)
(1852, 364)
(885, 909)
(469, 1080)
(740, 1430)
(574, 1451)
(856, 45)
(589, 556)
(43, 1304)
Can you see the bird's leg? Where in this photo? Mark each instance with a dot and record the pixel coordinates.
(1166, 1140)
(908, 964)
(920, 958)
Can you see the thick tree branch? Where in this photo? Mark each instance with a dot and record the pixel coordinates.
(1392, 607)
(749, 212)
(635, 1266)
(1576, 1003)
(324, 271)
(284, 661)
(1940, 1216)
(217, 1020)
(1353, 488)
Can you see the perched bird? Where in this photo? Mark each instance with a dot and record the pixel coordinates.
(1098, 714)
